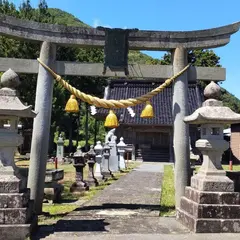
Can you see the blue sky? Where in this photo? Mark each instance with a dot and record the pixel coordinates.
(164, 15)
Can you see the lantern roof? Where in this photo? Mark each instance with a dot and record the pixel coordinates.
(10, 104)
(212, 110)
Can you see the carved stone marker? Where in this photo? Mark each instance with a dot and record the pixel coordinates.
(16, 209)
(98, 149)
(60, 149)
(105, 163)
(210, 203)
(113, 160)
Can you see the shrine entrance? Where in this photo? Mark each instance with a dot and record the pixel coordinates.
(153, 146)
(116, 43)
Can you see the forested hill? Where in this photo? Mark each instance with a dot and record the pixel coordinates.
(65, 18)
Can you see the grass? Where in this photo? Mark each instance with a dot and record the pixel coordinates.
(225, 167)
(167, 203)
(54, 212)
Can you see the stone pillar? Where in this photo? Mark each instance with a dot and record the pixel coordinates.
(121, 150)
(91, 156)
(106, 173)
(41, 126)
(60, 149)
(180, 129)
(113, 160)
(134, 145)
(98, 149)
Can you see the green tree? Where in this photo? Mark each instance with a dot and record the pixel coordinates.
(207, 58)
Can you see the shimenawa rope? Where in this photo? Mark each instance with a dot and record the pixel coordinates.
(111, 103)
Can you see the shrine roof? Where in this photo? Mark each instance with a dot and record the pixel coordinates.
(162, 103)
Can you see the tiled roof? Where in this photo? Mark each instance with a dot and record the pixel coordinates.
(162, 103)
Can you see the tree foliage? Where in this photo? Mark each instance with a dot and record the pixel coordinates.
(207, 58)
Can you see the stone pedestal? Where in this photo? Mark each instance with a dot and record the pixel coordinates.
(53, 190)
(210, 212)
(91, 181)
(16, 210)
(97, 173)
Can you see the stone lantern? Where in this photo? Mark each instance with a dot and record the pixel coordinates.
(16, 216)
(98, 150)
(210, 203)
(121, 146)
(79, 163)
(91, 156)
(105, 162)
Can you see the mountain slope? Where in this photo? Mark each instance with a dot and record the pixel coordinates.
(65, 18)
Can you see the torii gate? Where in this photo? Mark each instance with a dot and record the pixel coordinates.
(50, 35)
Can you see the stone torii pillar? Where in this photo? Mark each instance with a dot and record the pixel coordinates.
(41, 127)
(180, 128)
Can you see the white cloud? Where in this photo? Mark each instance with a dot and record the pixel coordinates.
(97, 22)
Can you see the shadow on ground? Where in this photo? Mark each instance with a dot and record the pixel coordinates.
(95, 225)
(114, 206)
(90, 223)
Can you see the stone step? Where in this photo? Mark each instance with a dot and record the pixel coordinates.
(209, 225)
(15, 215)
(203, 197)
(15, 232)
(14, 200)
(18, 231)
(9, 184)
(210, 210)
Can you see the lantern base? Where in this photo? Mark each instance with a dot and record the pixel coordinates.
(78, 187)
(213, 183)
(17, 218)
(210, 212)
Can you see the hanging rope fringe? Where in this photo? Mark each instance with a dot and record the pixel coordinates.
(123, 103)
